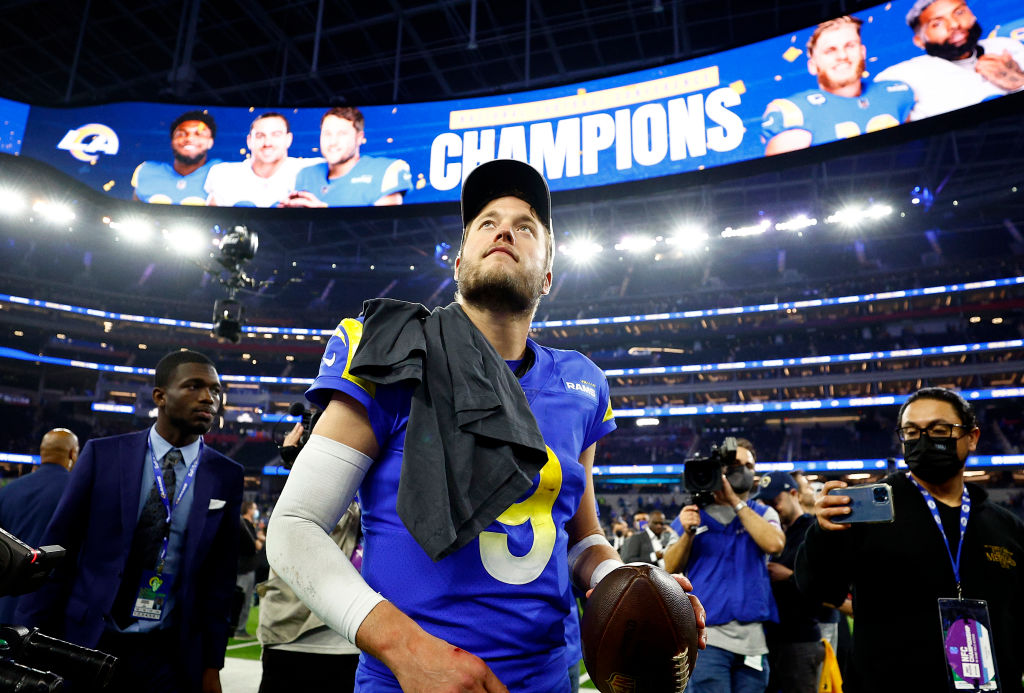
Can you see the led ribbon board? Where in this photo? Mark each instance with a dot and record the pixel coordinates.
(686, 116)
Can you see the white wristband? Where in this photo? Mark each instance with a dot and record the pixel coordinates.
(739, 506)
(582, 545)
(602, 569)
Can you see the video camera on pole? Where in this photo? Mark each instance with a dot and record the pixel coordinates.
(702, 476)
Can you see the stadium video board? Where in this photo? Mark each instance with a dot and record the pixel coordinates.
(837, 80)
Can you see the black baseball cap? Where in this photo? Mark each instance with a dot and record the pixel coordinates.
(501, 178)
(201, 116)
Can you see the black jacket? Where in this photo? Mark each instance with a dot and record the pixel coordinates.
(898, 571)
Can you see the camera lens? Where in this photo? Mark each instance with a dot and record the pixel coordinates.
(881, 495)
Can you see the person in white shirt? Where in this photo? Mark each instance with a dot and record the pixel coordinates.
(267, 176)
(959, 67)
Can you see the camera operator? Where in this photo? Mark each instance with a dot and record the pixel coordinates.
(724, 548)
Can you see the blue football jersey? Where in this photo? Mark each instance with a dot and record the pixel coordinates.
(369, 180)
(829, 117)
(506, 595)
(157, 182)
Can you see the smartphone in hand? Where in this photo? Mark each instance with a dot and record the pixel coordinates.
(870, 503)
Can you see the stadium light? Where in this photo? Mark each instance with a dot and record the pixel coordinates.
(647, 421)
(54, 212)
(133, 230)
(852, 216)
(635, 244)
(11, 201)
(581, 250)
(797, 223)
(688, 238)
(185, 240)
(754, 230)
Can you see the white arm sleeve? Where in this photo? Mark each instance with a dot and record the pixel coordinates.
(320, 487)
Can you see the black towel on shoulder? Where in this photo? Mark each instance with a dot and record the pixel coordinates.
(472, 446)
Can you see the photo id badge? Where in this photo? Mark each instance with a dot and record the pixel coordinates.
(153, 591)
(967, 641)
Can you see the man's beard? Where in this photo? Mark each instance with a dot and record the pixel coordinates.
(500, 292)
(189, 160)
(948, 51)
(830, 86)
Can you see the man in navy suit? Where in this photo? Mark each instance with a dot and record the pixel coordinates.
(27, 503)
(150, 524)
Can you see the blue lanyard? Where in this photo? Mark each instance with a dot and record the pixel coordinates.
(161, 489)
(965, 513)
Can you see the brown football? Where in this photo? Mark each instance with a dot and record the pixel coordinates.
(639, 633)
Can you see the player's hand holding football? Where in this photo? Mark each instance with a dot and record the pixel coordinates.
(1002, 70)
(828, 507)
(699, 615)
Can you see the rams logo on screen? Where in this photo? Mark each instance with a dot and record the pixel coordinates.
(89, 141)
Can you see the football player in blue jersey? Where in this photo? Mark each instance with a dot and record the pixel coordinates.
(347, 179)
(182, 181)
(486, 612)
(843, 105)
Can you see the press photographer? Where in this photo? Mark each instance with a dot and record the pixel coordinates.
(726, 561)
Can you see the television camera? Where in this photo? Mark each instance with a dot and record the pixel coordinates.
(29, 660)
(702, 476)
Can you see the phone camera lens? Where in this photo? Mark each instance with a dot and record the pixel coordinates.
(880, 495)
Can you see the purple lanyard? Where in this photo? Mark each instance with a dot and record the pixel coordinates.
(965, 513)
(161, 489)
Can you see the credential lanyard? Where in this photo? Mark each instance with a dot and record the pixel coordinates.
(965, 513)
(161, 489)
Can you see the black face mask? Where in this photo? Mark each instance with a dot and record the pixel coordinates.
(741, 479)
(932, 460)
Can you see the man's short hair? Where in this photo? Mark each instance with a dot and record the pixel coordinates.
(246, 507)
(201, 116)
(349, 113)
(168, 364)
(828, 26)
(914, 14)
(963, 408)
(271, 114)
(747, 445)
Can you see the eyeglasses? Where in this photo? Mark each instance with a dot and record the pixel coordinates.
(938, 429)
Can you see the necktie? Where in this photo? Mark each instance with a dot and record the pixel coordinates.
(147, 540)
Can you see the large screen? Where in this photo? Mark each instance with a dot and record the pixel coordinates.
(837, 80)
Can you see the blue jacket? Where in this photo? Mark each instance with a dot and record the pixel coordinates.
(95, 521)
(730, 573)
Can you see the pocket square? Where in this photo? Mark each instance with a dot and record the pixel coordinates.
(216, 503)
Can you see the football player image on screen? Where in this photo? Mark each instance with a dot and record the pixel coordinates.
(844, 104)
(959, 67)
(182, 181)
(347, 179)
(267, 176)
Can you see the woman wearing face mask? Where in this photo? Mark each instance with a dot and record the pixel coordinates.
(727, 545)
(951, 561)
